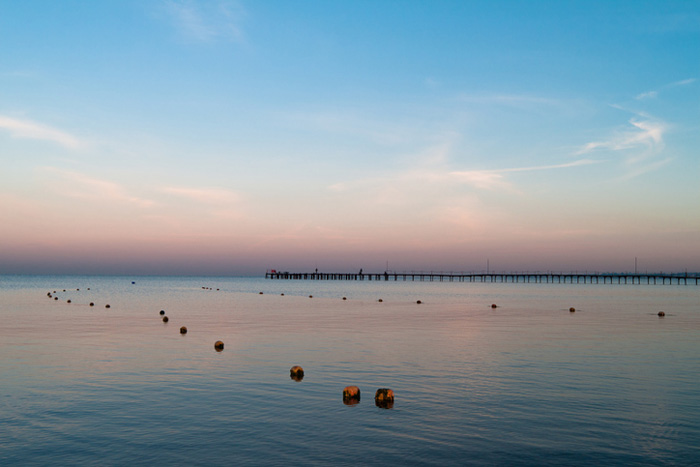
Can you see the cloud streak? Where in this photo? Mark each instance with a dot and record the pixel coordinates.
(211, 196)
(78, 185)
(646, 134)
(206, 21)
(490, 179)
(27, 129)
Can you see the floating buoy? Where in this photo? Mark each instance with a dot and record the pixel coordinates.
(380, 300)
(311, 296)
(133, 282)
(92, 304)
(419, 302)
(68, 301)
(88, 288)
(219, 346)
(296, 373)
(384, 398)
(162, 312)
(345, 298)
(107, 305)
(661, 314)
(572, 309)
(183, 330)
(260, 293)
(351, 395)
(282, 294)
(165, 319)
(55, 298)
(77, 289)
(64, 290)
(493, 305)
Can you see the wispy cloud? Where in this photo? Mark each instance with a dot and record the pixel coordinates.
(655, 94)
(683, 82)
(646, 133)
(211, 196)
(647, 95)
(206, 21)
(491, 179)
(79, 185)
(28, 129)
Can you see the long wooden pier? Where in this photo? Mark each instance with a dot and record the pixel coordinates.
(505, 277)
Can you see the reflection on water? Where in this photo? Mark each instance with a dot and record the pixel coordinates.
(526, 382)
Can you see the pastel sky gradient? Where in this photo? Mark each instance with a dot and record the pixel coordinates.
(229, 137)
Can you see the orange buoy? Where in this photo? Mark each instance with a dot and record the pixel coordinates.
(572, 309)
(183, 330)
(351, 395)
(165, 319)
(219, 346)
(296, 373)
(493, 305)
(384, 398)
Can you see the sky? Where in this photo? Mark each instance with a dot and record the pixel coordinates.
(230, 137)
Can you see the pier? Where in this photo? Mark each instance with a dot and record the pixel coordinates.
(503, 277)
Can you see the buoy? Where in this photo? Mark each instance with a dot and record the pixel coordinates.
(419, 302)
(165, 319)
(88, 288)
(311, 296)
(282, 294)
(661, 313)
(219, 346)
(77, 289)
(351, 395)
(92, 304)
(64, 290)
(55, 298)
(345, 298)
(493, 305)
(162, 312)
(380, 300)
(384, 398)
(107, 305)
(183, 330)
(296, 373)
(261, 293)
(68, 301)
(133, 282)
(572, 309)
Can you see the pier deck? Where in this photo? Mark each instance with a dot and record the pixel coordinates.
(511, 277)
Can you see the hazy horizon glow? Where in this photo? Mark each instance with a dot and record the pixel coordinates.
(229, 137)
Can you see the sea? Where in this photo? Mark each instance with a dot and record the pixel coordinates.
(528, 382)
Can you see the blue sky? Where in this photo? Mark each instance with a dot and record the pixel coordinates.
(231, 137)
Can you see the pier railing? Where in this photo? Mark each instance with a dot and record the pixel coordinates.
(504, 277)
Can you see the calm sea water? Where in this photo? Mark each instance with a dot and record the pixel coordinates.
(525, 383)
